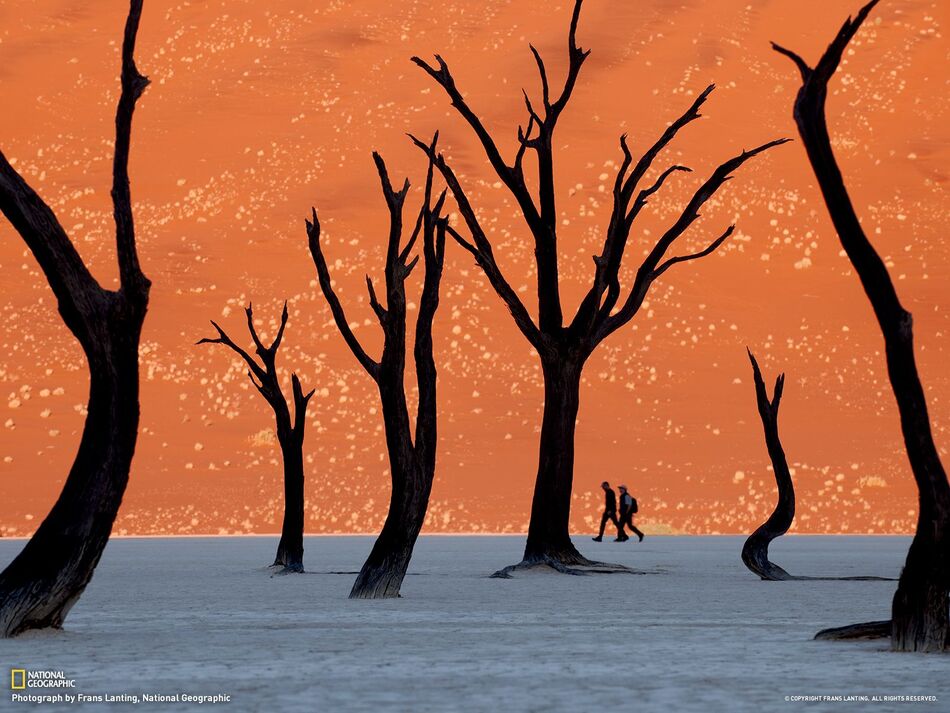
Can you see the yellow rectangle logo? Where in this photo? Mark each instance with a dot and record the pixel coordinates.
(17, 679)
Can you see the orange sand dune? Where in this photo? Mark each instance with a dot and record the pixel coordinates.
(258, 111)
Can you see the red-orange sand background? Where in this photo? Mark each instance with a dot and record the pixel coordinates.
(259, 110)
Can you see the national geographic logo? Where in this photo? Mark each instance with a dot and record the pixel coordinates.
(22, 679)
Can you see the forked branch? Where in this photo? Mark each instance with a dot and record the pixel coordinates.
(264, 374)
(339, 316)
(133, 84)
(70, 279)
(651, 266)
(481, 248)
(541, 214)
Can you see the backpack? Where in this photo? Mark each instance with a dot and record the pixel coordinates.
(633, 505)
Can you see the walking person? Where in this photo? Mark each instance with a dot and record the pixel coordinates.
(628, 508)
(610, 512)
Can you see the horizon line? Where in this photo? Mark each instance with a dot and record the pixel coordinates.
(461, 534)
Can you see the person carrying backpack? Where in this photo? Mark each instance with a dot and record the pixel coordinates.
(628, 508)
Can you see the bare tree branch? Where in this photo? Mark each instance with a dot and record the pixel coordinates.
(326, 285)
(541, 217)
(380, 311)
(576, 57)
(69, 278)
(768, 408)
(444, 78)
(434, 233)
(482, 250)
(802, 65)
(607, 323)
(223, 338)
(133, 84)
(694, 256)
(301, 400)
(593, 307)
(280, 330)
(34, 220)
(264, 375)
(252, 330)
(395, 200)
(545, 89)
(832, 57)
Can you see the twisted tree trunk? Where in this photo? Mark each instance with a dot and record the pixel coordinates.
(41, 585)
(755, 551)
(920, 620)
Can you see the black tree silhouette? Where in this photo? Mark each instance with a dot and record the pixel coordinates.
(412, 460)
(46, 579)
(755, 551)
(564, 349)
(290, 431)
(919, 614)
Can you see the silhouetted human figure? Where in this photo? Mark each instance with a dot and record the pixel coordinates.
(610, 512)
(628, 508)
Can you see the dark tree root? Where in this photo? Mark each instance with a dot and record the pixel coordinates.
(860, 578)
(867, 631)
(577, 566)
(281, 569)
(776, 574)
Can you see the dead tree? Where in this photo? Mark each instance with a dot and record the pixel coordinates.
(290, 432)
(46, 579)
(755, 551)
(919, 614)
(411, 460)
(564, 348)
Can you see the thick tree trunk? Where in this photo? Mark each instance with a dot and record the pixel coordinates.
(290, 547)
(548, 531)
(920, 619)
(919, 613)
(40, 586)
(383, 572)
(755, 551)
(413, 470)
